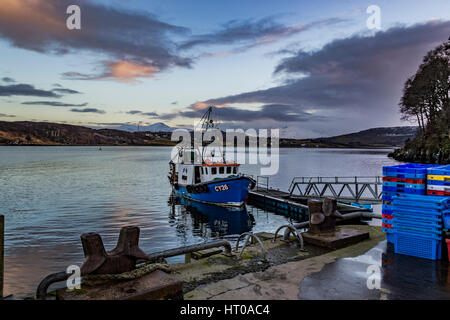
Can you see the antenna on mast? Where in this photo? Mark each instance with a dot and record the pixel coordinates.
(206, 122)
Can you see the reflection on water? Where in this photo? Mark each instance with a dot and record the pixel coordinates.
(214, 221)
(51, 195)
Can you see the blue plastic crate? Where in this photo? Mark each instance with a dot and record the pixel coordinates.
(390, 237)
(417, 246)
(413, 170)
(401, 175)
(387, 230)
(421, 201)
(387, 210)
(438, 182)
(389, 196)
(411, 224)
(417, 211)
(437, 235)
(404, 185)
(446, 219)
(420, 216)
(440, 171)
(405, 190)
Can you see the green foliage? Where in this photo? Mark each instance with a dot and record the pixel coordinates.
(426, 101)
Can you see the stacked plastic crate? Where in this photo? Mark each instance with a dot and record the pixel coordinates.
(438, 184)
(438, 181)
(418, 225)
(397, 180)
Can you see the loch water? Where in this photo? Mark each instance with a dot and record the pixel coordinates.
(51, 195)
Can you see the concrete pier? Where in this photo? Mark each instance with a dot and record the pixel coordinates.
(280, 281)
(369, 270)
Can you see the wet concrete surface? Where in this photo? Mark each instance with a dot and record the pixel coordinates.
(279, 280)
(400, 277)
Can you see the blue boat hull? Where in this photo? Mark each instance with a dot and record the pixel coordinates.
(231, 192)
(221, 220)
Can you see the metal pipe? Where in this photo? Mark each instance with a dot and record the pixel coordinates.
(250, 235)
(41, 291)
(290, 229)
(2, 253)
(347, 216)
(192, 248)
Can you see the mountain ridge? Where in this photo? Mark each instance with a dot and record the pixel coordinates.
(46, 133)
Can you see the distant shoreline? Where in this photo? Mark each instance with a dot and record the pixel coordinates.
(165, 145)
(27, 133)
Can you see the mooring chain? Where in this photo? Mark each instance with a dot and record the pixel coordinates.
(130, 275)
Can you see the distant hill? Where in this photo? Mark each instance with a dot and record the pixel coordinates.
(44, 133)
(155, 127)
(372, 138)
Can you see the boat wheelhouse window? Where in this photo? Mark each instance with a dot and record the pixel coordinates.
(206, 170)
(221, 170)
(213, 170)
(235, 170)
(184, 177)
(202, 170)
(197, 174)
(228, 169)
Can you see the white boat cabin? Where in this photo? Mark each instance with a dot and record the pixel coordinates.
(199, 173)
(193, 168)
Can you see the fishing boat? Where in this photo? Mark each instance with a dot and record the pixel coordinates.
(201, 175)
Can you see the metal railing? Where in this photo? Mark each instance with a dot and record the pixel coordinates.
(354, 188)
(262, 183)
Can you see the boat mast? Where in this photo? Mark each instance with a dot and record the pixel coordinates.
(207, 123)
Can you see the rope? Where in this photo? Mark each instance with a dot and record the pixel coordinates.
(130, 275)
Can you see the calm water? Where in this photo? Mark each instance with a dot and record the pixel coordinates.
(51, 195)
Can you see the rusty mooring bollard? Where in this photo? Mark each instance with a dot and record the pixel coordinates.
(121, 259)
(322, 215)
(2, 253)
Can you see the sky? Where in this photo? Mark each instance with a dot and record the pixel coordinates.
(309, 68)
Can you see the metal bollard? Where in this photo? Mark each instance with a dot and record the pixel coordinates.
(121, 259)
(2, 253)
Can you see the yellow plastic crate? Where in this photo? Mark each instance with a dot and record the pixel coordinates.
(441, 178)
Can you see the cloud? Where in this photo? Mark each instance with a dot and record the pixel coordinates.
(250, 33)
(8, 79)
(137, 43)
(123, 71)
(65, 91)
(54, 104)
(88, 110)
(276, 112)
(357, 80)
(3, 115)
(23, 89)
(148, 114)
(26, 90)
